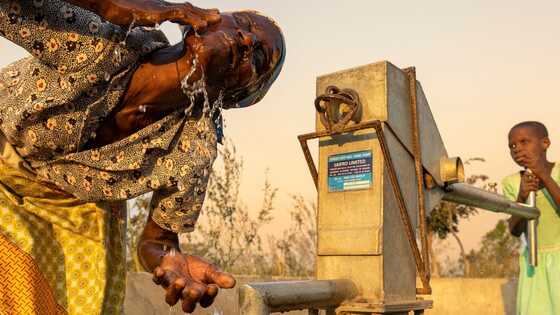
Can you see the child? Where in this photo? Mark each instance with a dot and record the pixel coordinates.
(539, 288)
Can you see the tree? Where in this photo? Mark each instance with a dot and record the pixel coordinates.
(229, 236)
(294, 254)
(228, 233)
(444, 218)
(498, 255)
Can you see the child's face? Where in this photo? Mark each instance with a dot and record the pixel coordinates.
(525, 144)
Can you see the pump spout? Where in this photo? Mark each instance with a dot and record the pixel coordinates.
(480, 198)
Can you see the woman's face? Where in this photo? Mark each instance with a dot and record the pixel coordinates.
(239, 53)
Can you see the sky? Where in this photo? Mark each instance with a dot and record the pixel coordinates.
(483, 65)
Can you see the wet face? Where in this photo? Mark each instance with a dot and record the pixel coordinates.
(526, 143)
(239, 53)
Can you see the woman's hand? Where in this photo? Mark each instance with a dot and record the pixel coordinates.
(187, 14)
(184, 277)
(151, 12)
(190, 279)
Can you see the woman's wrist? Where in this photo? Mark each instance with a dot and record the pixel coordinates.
(155, 242)
(151, 252)
(126, 12)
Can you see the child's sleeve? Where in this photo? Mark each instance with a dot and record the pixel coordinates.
(53, 31)
(508, 189)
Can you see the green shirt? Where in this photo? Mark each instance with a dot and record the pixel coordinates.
(548, 230)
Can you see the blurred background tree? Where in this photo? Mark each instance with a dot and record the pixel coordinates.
(444, 221)
(233, 239)
(230, 237)
(498, 255)
(294, 253)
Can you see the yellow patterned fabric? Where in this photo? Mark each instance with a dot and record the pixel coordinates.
(78, 247)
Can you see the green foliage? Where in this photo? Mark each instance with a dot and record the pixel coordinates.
(444, 221)
(497, 256)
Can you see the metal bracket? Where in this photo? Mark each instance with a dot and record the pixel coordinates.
(417, 148)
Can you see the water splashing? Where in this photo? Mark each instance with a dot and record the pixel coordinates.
(130, 27)
(198, 88)
(190, 90)
(172, 252)
(210, 126)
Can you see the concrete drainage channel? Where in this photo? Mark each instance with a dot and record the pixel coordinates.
(265, 298)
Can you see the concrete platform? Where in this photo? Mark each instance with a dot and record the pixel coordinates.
(450, 296)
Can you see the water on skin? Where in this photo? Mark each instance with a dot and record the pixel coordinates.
(193, 89)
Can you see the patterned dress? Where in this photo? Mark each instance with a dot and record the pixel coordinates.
(55, 100)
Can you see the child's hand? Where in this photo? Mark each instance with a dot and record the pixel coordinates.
(529, 182)
(536, 165)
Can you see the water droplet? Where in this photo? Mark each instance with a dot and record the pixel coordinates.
(172, 252)
(197, 91)
(130, 27)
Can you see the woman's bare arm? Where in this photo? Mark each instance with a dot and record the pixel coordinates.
(184, 277)
(150, 13)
